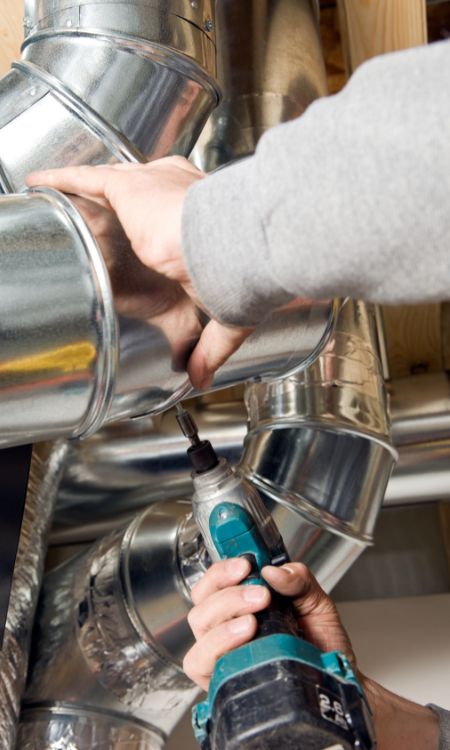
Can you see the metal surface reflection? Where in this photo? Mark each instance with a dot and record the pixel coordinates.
(99, 336)
(270, 68)
(58, 322)
(107, 623)
(319, 441)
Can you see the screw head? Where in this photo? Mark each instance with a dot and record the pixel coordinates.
(209, 24)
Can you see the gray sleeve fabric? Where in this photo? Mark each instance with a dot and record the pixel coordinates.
(352, 198)
(444, 726)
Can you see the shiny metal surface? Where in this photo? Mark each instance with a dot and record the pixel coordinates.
(100, 337)
(421, 475)
(64, 729)
(153, 353)
(420, 408)
(128, 465)
(45, 472)
(107, 619)
(28, 105)
(188, 27)
(115, 81)
(270, 67)
(319, 441)
(329, 555)
(144, 459)
(58, 324)
(160, 104)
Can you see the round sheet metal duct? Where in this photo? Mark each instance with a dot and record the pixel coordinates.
(97, 336)
(319, 442)
(270, 67)
(100, 82)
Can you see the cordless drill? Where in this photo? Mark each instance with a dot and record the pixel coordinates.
(277, 692)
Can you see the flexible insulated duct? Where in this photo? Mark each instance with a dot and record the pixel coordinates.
(110, 630)
(47, 462)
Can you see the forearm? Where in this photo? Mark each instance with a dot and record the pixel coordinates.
(350, 199)
(401, 724)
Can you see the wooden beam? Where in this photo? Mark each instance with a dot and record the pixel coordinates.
(11, 32)
(373, 27)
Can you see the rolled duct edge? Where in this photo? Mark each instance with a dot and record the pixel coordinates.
(92, 335)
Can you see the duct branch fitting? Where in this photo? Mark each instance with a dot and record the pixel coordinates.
(106, 81)
(47, 462)
(110, 632)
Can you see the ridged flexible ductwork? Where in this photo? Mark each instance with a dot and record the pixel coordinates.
(110, 629)
(45, 472)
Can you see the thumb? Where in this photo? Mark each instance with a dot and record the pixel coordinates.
(216, 344)
(297, 581)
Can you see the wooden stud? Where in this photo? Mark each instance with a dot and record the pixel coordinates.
(373, 27)
(368, 28)
(11, 32)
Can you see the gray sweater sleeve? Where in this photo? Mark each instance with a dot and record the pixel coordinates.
(352, 198)
(444, 726)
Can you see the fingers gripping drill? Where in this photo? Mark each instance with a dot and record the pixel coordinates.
(278, 691)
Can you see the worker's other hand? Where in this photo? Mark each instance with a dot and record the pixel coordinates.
(223, 617)
(148, 201)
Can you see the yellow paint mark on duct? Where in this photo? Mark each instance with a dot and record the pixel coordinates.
(64, 359)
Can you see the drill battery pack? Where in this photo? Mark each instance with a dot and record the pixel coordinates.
(287, 704)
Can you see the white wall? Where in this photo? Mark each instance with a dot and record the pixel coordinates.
(402, 643)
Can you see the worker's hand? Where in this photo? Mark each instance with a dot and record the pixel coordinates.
(148, 200)
(223, 616)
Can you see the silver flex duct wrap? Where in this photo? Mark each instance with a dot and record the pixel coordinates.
(45, 471)
(110, 629)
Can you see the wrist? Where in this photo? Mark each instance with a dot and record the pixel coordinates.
(400, 724)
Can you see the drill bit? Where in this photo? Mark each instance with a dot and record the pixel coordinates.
(187, 425)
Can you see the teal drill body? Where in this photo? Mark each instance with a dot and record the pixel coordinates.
(277, 692)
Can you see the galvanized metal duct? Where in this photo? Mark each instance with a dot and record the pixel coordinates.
(91, 335)
(125, 466)
(319, 442)
(270, 67)
(111, 625)
(45, 471)
(106, 81)
(319, 449)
